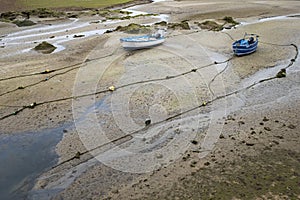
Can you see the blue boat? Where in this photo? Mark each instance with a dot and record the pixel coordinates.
(245, 46)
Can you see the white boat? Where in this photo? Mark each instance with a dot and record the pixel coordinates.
(144, 41)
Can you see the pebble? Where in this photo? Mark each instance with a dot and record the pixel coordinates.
(275, 142)
(194, 142)
(265, 119)
(249, 144)
(291, 126)
(267, 128)
(159, 156)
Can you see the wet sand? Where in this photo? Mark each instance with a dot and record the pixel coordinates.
(208, 127)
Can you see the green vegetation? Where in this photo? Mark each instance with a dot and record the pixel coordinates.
(39, 12)
(214, 26)
(161, 23)
(230, 20)
(134, 29)
(44, 13)
(45, 48)
(211, 25)
(182, 25)
(33, 4)
(25, 22)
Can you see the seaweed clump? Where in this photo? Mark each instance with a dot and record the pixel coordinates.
(230, 20)
(217, 25)
(45, 48)
(210, 25)
(25, 22)
(182, 25)
(134, 29)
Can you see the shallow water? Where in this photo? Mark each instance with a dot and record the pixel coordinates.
(23, 157)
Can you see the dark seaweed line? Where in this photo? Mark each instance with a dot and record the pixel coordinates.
(130, 135)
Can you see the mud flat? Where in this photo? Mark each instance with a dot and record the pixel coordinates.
(185, 120)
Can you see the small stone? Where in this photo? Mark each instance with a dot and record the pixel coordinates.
(77, 155)
(265, 119)
(193, 163)
(65, 130)
(221, 136)
(147, 122)
(159, 156)
(279, 136)
(177, 131)
(194, 142)
(249, 144)
(267, 128)
(78, 36)
(291, 126)
(206, 163)
(115, 191)
(241, 122)
(229, 117)
(261, 123)
(275, 142)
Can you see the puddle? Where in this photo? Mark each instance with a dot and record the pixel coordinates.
(267, 19)
(23, 157)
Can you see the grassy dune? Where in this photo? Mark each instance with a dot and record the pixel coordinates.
(32, 4)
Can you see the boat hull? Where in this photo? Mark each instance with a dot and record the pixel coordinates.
(142, 42)
(134, 45)
(240, 49)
